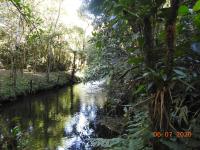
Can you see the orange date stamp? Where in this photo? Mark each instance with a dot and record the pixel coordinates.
(168, 134)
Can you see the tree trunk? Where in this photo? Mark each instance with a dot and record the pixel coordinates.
(48, 66)
(162, 101)
(170, 35)
(73, 68)
(13, 69)
(148, 43)
(34, 62)
(160, 106)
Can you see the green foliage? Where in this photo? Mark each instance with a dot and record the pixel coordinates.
(137, 135)
(135, 60)
(29, 40)
(180, 73)
(140, 89)
(183, 10)
(105, 143)
(197, 20)
(17, 2)
(23, 84)
(127, 34)
(13, 139)
(196, 7)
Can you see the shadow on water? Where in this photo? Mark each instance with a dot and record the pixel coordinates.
(55, 119)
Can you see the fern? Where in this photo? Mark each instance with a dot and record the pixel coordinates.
(137, 135)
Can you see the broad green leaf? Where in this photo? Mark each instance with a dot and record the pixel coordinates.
(131, 49)
(145, 74)
(183, 10)
(197, 20)
(132, 13)
(118, 8)
(140, 89)
(98, 44)
(17, 1)
(135, 60)
(179, 72)
(15, 130)
(197, 6)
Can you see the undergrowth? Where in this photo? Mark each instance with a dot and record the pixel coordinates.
(136, 135)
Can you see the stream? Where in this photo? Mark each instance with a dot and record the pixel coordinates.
(55, 119)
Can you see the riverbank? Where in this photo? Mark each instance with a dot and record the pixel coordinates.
(30, 83)
(125, 123)
(131, 129)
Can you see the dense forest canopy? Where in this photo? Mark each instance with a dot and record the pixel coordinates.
(149, 51)
(41, 37)
(37, 35)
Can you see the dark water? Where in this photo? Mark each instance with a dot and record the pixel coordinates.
(55, 120)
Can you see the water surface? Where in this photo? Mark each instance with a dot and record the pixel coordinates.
(56, 119)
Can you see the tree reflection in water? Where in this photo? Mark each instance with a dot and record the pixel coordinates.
(55, 119)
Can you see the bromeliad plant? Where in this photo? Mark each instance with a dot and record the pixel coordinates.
(168, 108)
(159, 89)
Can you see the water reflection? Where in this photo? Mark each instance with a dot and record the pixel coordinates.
(56, 119)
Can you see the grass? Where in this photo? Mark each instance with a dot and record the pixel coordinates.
(23, 83)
